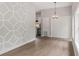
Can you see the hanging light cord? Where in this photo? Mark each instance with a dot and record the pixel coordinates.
(55, 9)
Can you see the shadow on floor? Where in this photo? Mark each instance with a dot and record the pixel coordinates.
(71, 49)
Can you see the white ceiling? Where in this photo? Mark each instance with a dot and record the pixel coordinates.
(46, 5)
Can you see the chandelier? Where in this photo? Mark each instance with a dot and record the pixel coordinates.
(55, 12)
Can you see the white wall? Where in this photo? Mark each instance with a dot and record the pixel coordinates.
(75, 27)
(62, 26)
(16, 25)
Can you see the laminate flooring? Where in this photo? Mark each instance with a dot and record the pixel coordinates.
(44, 47)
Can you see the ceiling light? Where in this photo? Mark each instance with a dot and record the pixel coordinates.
(55, 12)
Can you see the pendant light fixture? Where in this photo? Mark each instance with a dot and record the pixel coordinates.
(55, 12)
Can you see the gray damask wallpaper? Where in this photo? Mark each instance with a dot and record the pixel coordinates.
(16, 24)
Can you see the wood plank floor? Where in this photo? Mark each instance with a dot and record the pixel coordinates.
(44, 47)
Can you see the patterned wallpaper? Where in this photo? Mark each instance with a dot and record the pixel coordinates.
(16, 24)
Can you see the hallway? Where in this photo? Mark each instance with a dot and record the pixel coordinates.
(44, 47)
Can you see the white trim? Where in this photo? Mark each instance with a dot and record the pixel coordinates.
(14, 47)
(75, 48)
(64, 38)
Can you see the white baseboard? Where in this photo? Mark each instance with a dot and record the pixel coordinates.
(14, 47)
(64, 38)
